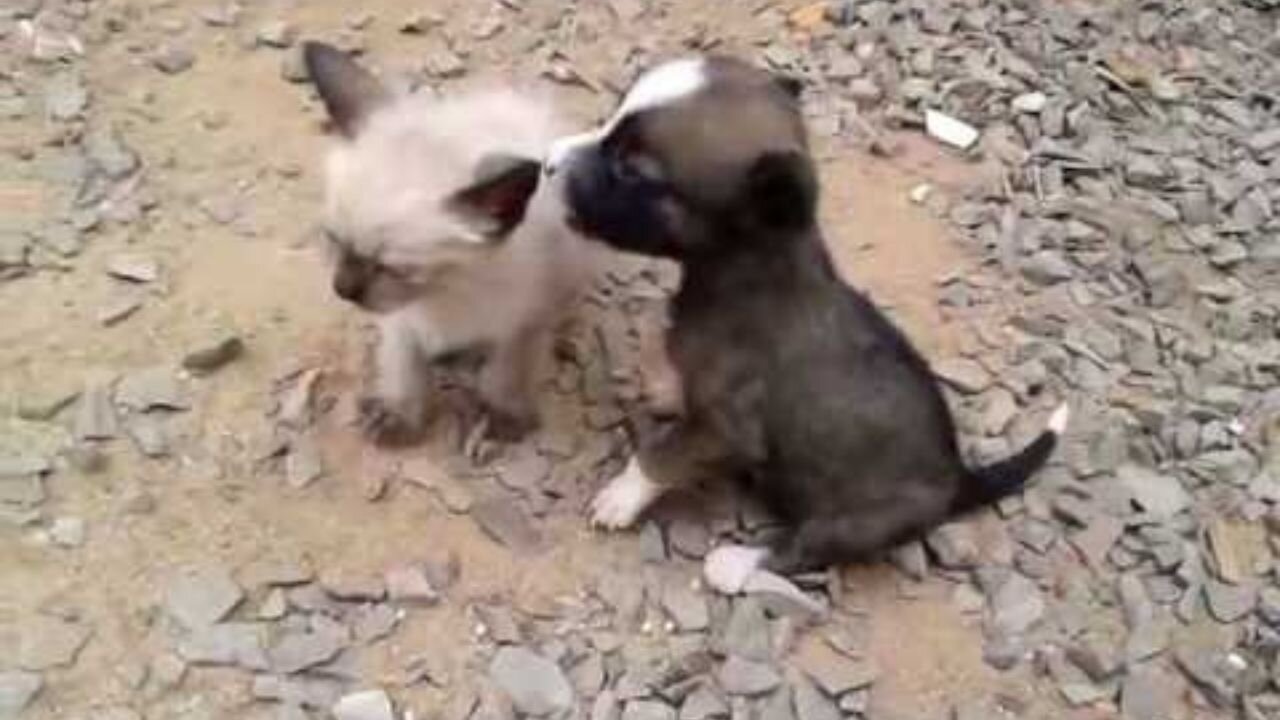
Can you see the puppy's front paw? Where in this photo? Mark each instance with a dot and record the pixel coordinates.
(622, 501)
(727, 568)
(388, 423)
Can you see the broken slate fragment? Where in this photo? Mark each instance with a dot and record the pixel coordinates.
(18, 689)
(95, 415)
(409, 585)
(1162, 496)
(1016, 605)
(1149, 693)
(231, 643)
(535, 685)
(1229, 603)
(811, 703)
(365, 705)
(747, 633)
(46, 642)
(953, 546)
(962, 374)
(834, 673)
(704, 703)
(648, 710)
(506, 524)
(353, 586)
(149, 435)
(197, 597)
(151, 389)
(299, 651)
(686, 608)
(739, 676)
(133, 267)
(173, 59)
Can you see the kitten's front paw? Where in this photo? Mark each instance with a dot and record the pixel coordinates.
(388, 423)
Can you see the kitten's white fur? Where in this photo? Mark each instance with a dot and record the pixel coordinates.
(385, 196)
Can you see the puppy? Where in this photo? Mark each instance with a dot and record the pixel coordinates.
(433, 210)
(793, 381)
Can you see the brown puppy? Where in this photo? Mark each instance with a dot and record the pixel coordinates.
(793, 381)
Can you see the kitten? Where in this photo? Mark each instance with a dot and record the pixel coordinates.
(434, 211)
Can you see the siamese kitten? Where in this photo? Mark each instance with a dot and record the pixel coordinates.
(442, 233)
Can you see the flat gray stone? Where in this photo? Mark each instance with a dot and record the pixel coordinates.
(1047, 267)
(65, 96)
(134, 267)
(686, 607)
(739, 676)
(1160, 495)
(95, 415)
(299, 651)
(353, 585)
(315, 693)
(46, 642)
(364, 705)
(67, 532)
(199, 597)
(535, 685)
(962, 374)
(778, 706)
(747, 634)
(1149, 693)
(156, 388)
(172, 59)
(648, 710)
(409, 585)
(704, 703)
(149, 434)
(231, 643)
(113, 157)
(1016, 605)
(835, 673)
(18, 689)
(1229, 603)
(505, 523)
(811, 703)
(375, 621)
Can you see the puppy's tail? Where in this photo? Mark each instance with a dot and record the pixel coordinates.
(992, 482)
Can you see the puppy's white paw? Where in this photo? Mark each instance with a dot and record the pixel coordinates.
(727, 568)
(620, 503)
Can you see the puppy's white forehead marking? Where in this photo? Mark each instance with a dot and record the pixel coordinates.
(665, 84)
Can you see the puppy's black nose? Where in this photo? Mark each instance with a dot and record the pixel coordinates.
(349, 286)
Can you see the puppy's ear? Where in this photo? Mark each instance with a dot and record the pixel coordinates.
(496, 202)
(781, 190)
(350, 93)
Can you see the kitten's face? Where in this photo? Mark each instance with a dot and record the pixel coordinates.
(402, 216)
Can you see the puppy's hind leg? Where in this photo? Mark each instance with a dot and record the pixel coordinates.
(822, 541)
(396, 410)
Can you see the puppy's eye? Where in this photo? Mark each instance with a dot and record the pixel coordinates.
(634, 167)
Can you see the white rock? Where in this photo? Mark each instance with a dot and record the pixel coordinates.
(949, 130)
(365, 705)
(1031, 103)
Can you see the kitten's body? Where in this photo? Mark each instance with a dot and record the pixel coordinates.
(449, 249)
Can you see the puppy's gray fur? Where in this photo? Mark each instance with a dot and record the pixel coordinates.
(793, 381)
(442, 232)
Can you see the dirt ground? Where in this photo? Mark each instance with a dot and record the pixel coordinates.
(230, 129)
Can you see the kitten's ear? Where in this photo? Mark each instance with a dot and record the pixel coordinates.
(496, 202)
(350, 93)
(781, 190)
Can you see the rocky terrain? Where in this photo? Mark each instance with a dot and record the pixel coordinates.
(1058, 200)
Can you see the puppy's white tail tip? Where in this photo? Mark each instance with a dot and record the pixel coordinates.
(1058, 420)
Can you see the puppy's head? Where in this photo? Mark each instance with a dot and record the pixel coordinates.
(416, 191)
(702, 156)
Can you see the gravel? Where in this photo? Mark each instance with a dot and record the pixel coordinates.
(199, 597)
(535, 685)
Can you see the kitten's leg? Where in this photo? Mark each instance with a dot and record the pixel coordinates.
(396, 410)
(507, 384)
